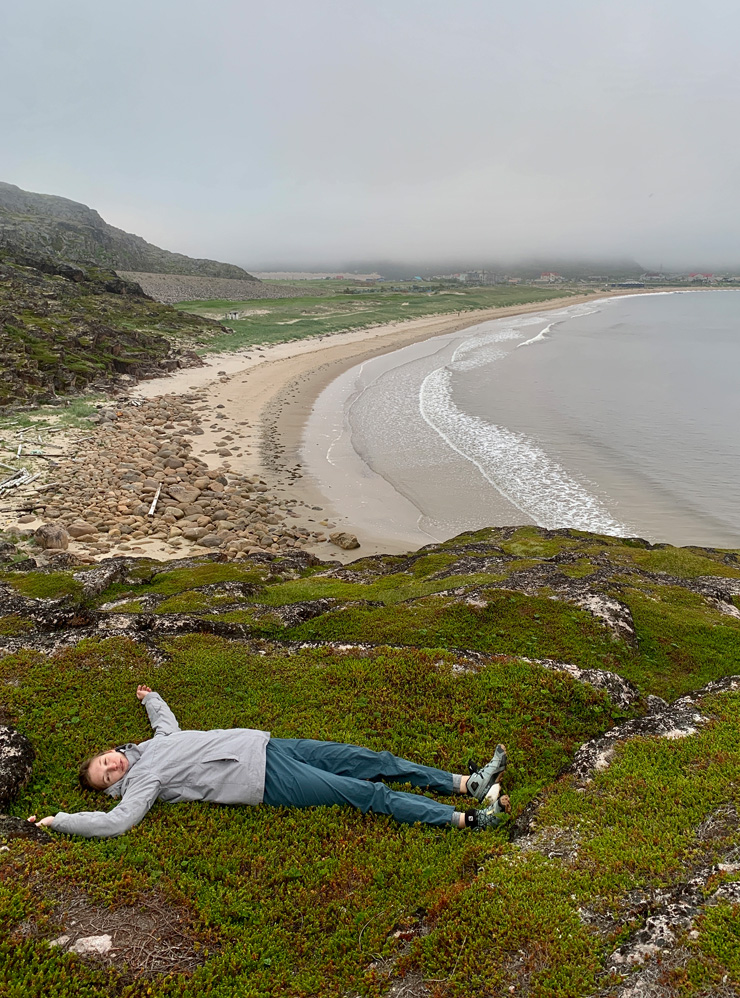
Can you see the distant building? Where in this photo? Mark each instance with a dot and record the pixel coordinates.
(548, 277)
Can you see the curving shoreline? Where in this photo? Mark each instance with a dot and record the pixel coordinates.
(273, 389)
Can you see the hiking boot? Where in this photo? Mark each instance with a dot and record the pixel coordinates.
(488, 817)
(482, 780)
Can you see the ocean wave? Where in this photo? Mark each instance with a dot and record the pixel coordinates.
(520, 470)
(483, 347)
(535, 339)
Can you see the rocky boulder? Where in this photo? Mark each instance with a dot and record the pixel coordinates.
(183, 493)
(80, 529)
(16, 763)
(211, 541)
(7, 550)
(52, 536)
(20, 828)
(348, 542)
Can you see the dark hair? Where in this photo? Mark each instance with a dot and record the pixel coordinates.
(83, 773)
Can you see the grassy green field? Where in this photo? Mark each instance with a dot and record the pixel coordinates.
(326, 309)
(329, 902)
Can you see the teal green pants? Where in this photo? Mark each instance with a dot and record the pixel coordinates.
(301, 772)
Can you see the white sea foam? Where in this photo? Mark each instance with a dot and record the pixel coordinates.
(537, 338)
(520, 470)
(483, 347)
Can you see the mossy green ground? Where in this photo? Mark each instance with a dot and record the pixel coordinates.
(277, 320)
(301, 903)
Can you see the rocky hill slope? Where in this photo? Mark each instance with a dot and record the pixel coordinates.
(607, 666)
(51, 226)
(172, 288)
(66, 329)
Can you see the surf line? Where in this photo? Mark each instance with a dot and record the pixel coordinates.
(540, 336)
(513, 464)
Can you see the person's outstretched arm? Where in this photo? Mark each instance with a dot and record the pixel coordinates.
(132, 808)
(136, 801)
(161, 717)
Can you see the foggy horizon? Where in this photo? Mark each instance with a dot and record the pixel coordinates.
(287, 137)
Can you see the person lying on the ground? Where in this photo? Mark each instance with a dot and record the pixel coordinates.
(247, 766)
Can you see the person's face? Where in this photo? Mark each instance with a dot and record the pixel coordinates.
(107, 768)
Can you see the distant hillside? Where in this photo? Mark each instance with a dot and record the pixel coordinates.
(171, 288)
(51, 226)
(526, 269)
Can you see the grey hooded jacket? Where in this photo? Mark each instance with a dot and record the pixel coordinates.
(225, 766)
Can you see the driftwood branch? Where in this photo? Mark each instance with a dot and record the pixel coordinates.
(155, 500)
(29, 507)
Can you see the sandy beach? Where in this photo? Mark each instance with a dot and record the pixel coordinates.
(242, 433)
(266, 395)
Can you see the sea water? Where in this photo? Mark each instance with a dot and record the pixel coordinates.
(618, 416)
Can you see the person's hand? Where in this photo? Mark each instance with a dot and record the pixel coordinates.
(42, 822)
(141, 691)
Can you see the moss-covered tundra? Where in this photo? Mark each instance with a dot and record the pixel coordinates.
(433, 656)
(63, 329)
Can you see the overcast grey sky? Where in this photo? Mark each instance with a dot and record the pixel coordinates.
(317, 130)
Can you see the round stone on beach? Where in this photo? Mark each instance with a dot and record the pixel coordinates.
(183, 494)
(52, 536)
(80, 528)
(210, 541)
(194, 533)
(342, 539)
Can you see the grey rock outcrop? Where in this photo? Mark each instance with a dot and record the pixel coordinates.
(20, 828)
(16, 763)
(52, 536)
(679, 719)
(171, 288)
(621, 691)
